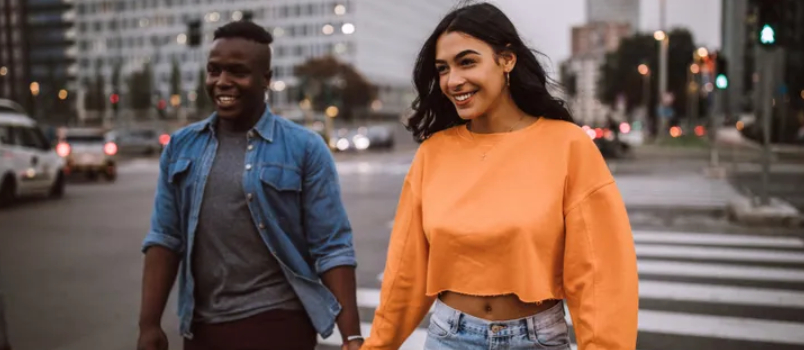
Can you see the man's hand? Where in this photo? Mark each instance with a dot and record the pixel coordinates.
(352, 345)
(152, 338)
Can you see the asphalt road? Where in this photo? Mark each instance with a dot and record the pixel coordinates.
(71, 269)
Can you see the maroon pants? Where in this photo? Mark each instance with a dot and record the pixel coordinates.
(271, 330)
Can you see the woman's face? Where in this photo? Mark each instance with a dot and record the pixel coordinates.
(470, 74)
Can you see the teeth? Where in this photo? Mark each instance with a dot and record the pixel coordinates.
(464, 97)
(226, 98)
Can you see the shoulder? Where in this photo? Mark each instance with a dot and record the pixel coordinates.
(297, 133)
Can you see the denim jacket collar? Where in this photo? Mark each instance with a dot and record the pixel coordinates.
(264, 127)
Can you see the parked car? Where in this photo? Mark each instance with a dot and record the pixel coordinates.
(139, 141)
(28, 163)
(88, 151)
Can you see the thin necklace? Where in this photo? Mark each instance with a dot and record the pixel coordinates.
(469, 128)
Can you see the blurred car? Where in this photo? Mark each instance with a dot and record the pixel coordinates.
(361, 139)
(139, 141)
(608, 141)
(28, 163)
(88, 151)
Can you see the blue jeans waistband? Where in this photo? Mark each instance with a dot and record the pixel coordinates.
(471, 324)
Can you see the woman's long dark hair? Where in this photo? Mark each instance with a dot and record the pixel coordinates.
(434, 112)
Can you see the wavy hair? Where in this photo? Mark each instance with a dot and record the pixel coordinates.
(433, 112)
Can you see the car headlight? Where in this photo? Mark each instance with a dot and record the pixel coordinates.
(361, 142)
(342, 144)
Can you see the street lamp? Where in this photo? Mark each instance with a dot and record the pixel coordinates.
(331, 111)
(35, 89)
(659, 35)
(643, 69)
(703, 52)
(63, 94)
(3, 71)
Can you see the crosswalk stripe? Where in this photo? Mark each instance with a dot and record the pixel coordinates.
(719, 271)
(679, 291)
(715, 253)
(641, 236)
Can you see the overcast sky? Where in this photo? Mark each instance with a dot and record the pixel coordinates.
(546, 24)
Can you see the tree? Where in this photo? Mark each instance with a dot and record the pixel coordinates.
(327, 82)
(140, 88)
(99, 90)
(619, 74)
(175, 78)
(203, 103)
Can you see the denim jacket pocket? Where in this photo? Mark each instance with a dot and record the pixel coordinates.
(281, 178)
(177, 170)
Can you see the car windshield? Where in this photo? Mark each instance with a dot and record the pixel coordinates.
(85, 139)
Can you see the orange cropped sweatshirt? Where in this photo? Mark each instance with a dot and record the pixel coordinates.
(534, 212)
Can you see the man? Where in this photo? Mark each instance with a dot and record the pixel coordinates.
(4, 343)
(248, 213)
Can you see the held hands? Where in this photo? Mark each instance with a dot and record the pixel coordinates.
(352, 345)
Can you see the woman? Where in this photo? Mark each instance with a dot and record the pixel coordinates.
(507, 210)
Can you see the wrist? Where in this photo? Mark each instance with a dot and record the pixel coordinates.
(353, 338)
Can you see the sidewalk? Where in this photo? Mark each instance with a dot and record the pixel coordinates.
(689, 192)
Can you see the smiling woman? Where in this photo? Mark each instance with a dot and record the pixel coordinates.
(507, 209)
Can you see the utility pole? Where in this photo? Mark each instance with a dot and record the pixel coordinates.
(663, 48)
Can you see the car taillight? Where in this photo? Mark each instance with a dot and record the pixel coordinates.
(63, 149)
(164, 139)
(598, 133)
(110, 148)
(625, 128)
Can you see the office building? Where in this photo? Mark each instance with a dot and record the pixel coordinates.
(37, 56)
(379, 38)
(615, 11)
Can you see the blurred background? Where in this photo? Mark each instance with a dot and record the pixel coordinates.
(697, 106)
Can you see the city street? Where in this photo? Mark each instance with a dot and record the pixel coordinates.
(72, 267)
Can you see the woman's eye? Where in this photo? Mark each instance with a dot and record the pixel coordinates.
(441, 69)
(467, 62)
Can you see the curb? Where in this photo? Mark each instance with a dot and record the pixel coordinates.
(747, 211)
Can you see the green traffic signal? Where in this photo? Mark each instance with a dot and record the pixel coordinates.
(721, 81)
(768, 35)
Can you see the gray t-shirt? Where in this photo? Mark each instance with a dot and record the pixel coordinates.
(236, 276)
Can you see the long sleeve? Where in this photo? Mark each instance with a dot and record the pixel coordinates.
(600, 272)
(600, 268)
(403, 303)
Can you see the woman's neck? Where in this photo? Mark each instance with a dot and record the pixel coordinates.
(501, 117)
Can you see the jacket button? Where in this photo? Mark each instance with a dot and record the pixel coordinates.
(250, 147)
(249, 197)
(262, 226)
(248, 166)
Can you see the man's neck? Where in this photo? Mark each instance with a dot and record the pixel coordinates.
(243, 123)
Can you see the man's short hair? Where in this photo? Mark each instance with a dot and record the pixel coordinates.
(246, 30)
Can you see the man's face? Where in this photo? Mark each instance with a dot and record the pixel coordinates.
(238, 73)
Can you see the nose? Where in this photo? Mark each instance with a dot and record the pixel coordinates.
(224, 80)
(455, 81)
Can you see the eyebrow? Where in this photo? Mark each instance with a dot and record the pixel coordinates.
(461, 55)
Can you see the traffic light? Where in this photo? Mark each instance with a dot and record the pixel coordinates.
(248, 15)
(721, 72)
(769, 21)
(194, 33)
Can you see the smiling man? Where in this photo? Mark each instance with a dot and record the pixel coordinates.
(248, 213)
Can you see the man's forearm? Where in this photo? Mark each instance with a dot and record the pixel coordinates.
(159, 274)
(341, 281)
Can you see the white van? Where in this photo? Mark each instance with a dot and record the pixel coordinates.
(29, 164)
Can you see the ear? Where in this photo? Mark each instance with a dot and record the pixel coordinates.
(267, 76)
(508, 59)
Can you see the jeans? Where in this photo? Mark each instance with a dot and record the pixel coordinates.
(451, 329)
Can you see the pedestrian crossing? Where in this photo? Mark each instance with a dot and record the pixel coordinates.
(697, 291)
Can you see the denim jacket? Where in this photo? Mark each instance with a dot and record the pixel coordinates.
(291, 185)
